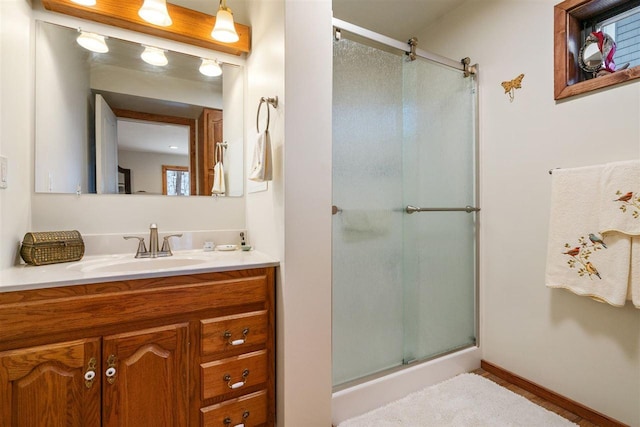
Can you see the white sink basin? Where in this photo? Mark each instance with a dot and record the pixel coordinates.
(129, 265)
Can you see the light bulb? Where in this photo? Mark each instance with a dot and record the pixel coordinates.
(224, 30)
(210, 67)
(155, 12)
(93, 42)
(154, 56)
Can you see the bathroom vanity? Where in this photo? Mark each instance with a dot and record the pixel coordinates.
(184, 347)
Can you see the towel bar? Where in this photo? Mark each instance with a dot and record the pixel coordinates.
(269, 101)
(411, 209)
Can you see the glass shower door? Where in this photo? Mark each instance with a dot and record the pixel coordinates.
(403, 284)
(367, 231)
(439, 171)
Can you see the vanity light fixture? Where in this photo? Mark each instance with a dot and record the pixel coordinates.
(155, 12)
(210, 67)
(154, 56)
(85, 2)
(92, 41)
(224, 30)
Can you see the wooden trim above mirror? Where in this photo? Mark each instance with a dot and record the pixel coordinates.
(567, 42)
(189, 26)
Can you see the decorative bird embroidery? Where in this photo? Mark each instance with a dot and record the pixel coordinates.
(625, 198)
(592, 269)
(595, 239)
(573, 252)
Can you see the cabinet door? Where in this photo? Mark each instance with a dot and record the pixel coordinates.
(145, 378)
(46, 387)
(209, 132)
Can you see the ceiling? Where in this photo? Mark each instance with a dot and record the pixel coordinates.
(398, 19)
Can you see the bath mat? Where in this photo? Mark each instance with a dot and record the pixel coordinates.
(467, 400)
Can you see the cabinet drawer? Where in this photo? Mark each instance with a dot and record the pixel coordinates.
(249, 411)
(234, 332)
(234, 373)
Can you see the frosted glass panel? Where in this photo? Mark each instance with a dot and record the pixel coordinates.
(403, 285)
(367, 234)
(439, 170)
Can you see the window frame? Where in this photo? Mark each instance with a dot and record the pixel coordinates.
(567, 17)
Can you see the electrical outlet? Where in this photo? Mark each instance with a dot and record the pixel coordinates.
(4, 172)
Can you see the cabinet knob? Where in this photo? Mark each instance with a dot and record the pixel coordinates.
(227, 420)
(111, 369)
(239, 341)
(90, 374)
(238, 384)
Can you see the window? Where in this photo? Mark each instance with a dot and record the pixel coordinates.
(574, 20)
(175, 180)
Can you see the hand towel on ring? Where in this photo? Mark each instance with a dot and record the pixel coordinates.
(262, 164)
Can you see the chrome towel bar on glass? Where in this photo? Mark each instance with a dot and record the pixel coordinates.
(411, 209)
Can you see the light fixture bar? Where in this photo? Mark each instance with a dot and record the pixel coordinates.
(189, 26)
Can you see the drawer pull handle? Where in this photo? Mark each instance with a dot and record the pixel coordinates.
(90, 375)
(239, 384)
(239, 341)
(245, 415)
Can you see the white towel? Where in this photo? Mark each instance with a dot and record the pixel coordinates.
(620, 198)
(578, 257)
(219, 187)
(261, 167)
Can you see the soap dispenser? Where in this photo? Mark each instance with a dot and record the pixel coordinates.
(243, 243)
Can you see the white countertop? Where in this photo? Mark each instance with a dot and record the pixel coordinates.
(106, 268)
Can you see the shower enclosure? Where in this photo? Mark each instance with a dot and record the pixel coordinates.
(405, 211)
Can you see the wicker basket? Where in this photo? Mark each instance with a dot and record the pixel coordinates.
(51, 247)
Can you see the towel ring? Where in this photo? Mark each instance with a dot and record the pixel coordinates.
(272, 101)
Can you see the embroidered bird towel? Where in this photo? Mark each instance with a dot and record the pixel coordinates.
(261, 166)
(620, 198)
(219, 187)
(579, 258)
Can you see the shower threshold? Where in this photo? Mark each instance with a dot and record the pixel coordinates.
(410, 363)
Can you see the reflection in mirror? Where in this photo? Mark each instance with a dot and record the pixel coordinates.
(111, 123)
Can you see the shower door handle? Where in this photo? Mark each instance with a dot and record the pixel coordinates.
(468, 209)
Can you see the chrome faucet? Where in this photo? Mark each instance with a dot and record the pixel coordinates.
(153, 240)
(153, 251)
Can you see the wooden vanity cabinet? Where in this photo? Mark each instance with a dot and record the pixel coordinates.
(193, 350)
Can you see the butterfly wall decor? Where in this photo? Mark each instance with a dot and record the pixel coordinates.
(511, 85)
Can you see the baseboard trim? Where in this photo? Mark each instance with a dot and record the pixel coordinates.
(553, 397)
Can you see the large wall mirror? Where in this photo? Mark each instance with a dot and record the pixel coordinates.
(110, 123)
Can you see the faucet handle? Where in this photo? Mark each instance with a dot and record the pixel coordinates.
(165, 243)
(142, 248)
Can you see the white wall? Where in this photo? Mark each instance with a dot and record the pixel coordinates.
(146, 168)
(16, 125)
(291, 220)
(62, 109)
(232, 127)
(585, 350)
(156, 86)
